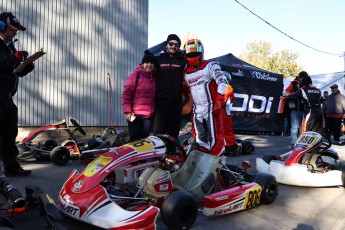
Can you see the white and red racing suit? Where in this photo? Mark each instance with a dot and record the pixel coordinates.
(207, 85)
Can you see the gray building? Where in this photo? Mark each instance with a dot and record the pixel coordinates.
(91, 46)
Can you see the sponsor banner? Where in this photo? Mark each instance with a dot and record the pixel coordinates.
(257, 99)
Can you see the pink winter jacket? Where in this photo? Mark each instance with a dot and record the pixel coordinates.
(139, 94)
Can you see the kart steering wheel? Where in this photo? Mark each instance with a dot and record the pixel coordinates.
(174, 151)
(77, 126)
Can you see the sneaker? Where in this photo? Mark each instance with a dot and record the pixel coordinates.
(17, 172)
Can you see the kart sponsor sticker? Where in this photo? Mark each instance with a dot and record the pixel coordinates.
(96, 165)
(77, 185)
(67, 207)
(142, 145)
(71, 210)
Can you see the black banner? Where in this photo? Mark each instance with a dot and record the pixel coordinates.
(257, 96)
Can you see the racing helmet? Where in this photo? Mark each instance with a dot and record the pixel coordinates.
(194, 51)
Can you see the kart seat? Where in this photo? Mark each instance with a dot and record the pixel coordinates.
(198, 174)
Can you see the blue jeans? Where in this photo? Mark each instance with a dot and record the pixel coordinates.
(296, 123)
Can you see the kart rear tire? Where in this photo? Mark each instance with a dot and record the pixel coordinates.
(247, 147)
(342, 169)
(50, 144)
(179, 210)
(269, 158)
(269, 187)
(60, 155)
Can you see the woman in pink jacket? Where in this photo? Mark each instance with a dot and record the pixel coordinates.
(138, 97)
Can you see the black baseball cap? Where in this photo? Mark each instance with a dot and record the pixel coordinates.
(11, 21)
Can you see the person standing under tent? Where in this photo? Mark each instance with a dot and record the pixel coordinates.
(312, 99)
(296, 107)
(335, 111)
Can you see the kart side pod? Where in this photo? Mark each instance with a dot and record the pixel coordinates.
(156, 182)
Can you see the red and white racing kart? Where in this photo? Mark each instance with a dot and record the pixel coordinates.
(157, 178)
(311, 163)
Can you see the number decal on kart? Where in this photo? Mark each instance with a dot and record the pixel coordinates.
(141, 145)
(306, 140)
(253, 197)
(96, 165)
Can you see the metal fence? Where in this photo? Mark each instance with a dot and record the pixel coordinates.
(84, 40)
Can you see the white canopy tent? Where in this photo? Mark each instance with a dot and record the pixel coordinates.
(324, 81)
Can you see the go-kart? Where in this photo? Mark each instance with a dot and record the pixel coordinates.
(157, 178)
(28, 150)
(311, 163)
(244, 147)
(71, 149)
(12, 203)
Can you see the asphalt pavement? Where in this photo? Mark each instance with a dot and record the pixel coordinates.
(297, 208)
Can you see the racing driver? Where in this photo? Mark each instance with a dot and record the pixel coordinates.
(207, 84)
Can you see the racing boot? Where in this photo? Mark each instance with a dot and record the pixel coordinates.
(231, 150)
(17, 172)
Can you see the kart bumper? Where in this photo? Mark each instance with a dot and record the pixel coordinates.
(95, 207)
(299, 175)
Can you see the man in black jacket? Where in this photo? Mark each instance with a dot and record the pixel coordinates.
(10, 58)
(169, 88)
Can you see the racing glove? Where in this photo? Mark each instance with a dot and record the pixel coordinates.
(20, 56)
(229, 93)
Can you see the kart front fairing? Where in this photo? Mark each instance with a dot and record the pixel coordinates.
(146, 149)
(83, 197)
(298, 174)
(290, 170)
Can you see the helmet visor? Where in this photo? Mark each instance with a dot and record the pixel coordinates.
(193, 48)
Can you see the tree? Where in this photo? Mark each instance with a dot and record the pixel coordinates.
(261, 55)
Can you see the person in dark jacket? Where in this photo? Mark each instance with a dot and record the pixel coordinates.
(169, 85)
(138, 97)
(312, 99)
(335, 111)
(10, 58)
(296, 107)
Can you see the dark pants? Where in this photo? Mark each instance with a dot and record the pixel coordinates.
(139, 128)
(314, 119)
(167, 120)
(334, 125)
(8, 133)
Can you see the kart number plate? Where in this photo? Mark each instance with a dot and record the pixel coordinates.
(96, 165)
(253, 197)
(141, 145)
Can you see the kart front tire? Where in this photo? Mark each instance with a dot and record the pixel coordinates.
(179, 210)
(59, 155)
(269, 187)
(342, 169)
